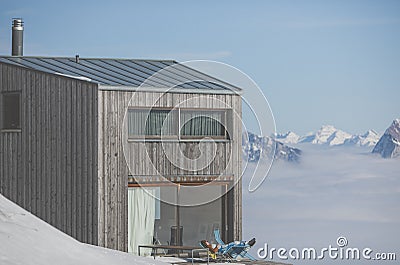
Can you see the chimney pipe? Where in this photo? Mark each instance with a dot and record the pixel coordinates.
(17, 37)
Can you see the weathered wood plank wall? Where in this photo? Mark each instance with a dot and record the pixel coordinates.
(149, 158)
(50, 166)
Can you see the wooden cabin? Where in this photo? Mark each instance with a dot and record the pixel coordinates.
(74, 152)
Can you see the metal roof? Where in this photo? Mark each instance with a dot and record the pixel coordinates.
(126, 73)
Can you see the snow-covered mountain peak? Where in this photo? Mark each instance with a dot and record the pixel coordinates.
(291, 134)
(389, 144)
(328, 128)
(328, 134)
(370, 138)
(371, 133)
(255, 147)
(338, 137)
(288, 138)
(322, 135)
(394, 130)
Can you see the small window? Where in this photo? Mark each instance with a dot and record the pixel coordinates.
(197, 124)
(153, 123)
(11, 102)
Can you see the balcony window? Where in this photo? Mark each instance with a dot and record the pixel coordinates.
(153, 123)
(178, 124)
(199, 124)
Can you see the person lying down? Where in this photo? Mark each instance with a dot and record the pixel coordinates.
(217, 248)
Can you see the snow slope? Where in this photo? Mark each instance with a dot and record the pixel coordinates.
(25, 239)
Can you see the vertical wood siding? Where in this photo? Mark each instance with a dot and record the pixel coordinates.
(50, 167)
(112, 172)
(113, 169)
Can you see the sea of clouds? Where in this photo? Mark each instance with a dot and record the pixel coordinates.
(332, 192)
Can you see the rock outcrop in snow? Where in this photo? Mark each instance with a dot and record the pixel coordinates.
(389, 144)
(256, 147)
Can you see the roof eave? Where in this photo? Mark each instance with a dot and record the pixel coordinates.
(169, 90)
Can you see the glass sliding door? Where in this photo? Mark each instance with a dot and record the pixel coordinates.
(199, 222)
(151, 221)
(167, 217)
(188, 225)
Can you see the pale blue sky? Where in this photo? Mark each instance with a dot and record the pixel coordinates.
(318, 62)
